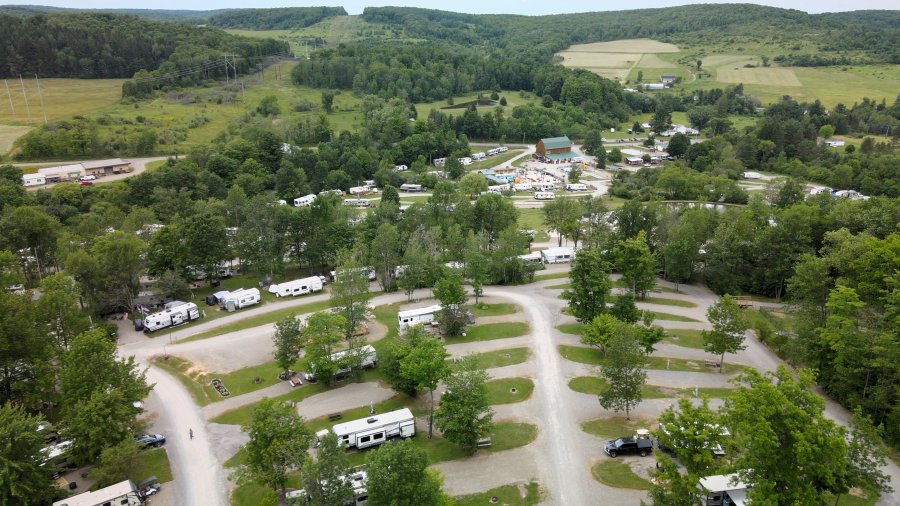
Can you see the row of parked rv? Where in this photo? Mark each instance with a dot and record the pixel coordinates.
(467, 160)
(549, 256)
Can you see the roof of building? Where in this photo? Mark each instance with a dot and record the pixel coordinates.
(376, 421)
(101, 496)
(99, 164)
(59, 169)
(556, 142)
(32, 176)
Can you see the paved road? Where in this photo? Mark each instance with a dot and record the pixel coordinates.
(139, 164)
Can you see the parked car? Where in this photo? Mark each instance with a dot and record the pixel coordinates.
(639, 444)
(148, 440)
(87, 178)
(87, 183)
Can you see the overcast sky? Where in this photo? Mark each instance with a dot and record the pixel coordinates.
(473, 6)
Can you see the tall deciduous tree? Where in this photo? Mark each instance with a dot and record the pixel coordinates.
(288, 341)
(25, 353)
(590, 285)
(692, 431)
(729, 326)
(58, 310)
(385, 251)
(465, 416)
(206, 242)
(325, 480)
(623, 371)
(278, 443)
(638, 265)
(670, 487)
(399, 476)
(23, 480)
(452, 317)
(320, 336)
(426, 365)
(350, 292)
(478, 264)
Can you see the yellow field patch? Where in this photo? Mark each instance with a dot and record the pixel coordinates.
(766, 76)
(599, 60)
(61, 98)
(651, 61)
(626, 46)
(620, 73)
(9, 134)
(717, 60)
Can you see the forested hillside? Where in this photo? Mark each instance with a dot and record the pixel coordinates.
(112, 45)
(274, 19)
(153, 14)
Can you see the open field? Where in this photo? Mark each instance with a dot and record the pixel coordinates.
(768, 76)
(9, 134)
(625, 46)
(591, 60)
(61, 98)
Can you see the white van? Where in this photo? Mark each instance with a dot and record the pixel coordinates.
(544, 196)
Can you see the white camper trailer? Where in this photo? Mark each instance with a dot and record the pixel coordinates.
(240, 299)
(360, 190)
(723, 490)
(410, 187)
(523, 187)
(376, 429)
(297, 287)
(439, 162)
(478, 156)
(532, 258)
(33, 179)
(417, 316)
(465, 160)
(175, 313)
(544, 196)
(356, 202)
(358, 481)
(368, 359)
(305, 200)
(558, 255)
(370, 274)
(576, 187)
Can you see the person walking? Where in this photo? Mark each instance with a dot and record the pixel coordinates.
(191, 433)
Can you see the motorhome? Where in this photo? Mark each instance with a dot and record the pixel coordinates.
(297, 287)
(544, 196)
(367, 360)
(358, 481)
(558, 255)
(175, 313)
(576, 187)
(418, 316)
(240, 299)
(410, 187)
(376, 429)
(306, 200)
(124, 493)
(478, 156)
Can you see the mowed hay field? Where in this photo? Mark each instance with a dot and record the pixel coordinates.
(770, 76)
(9, 134)
(61, 98)
(618, 59)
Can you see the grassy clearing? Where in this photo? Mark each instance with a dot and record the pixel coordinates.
(242, 415)
(608, 428)
(62, 98)
(680, 364)
(199, 383)
(492, 161)
(619, 475)
(499, 391)
(555, 275)
(509, 495)
(669, 302)
(263, 319)
(626, 46)
(491, 331)
(595, 386)
(657, 315)
(499, 309)
(686, 338)
(502, 358)
(152, 462)
(570, 328)
(531, 219)
(8, 135)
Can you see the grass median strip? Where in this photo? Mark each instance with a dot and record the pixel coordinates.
(509, 390)
(555, 275)
(686, 338)
(502, 358)
(657, 315)
(669, 302)
(570, 328)
(499, 309)
(594, 386)
(594, 356)
(619, 475)
(199, 383)
(258, 320)
(510, 495)
(491, 331)
(608, 428)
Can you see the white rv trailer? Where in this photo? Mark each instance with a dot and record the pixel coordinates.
(33, 179)
(478, 156)
(523, 187)
(492, 152)
(305, 200)
(368, 360)
(503, 149)
(498, 188)
(360, 190)
(722, 490)
(410, 187)
(240, 299)
(532, 258)
(558, 255)
(297, 287)
(417, 316)
(358, 481)
(370, 274)
(439, 162)
(544, 196)
(465, 160)
(175, 313)
(356, 202)
(376, 429)
(576, 187)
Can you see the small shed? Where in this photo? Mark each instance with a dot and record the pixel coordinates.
(555, 147)
(667, 79)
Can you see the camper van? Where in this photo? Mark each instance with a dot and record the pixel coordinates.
(558, 255)
(544, 196)
(576, 187)
(240, 299)
(418, 316)
(305, 200)
(368, 360)
(376, 429)
(410, 187)
(175, 313)
(297, 287)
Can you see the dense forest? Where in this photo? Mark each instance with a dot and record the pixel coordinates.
(285, 18)
(111, 45)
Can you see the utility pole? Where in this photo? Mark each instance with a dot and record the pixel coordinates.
(27, 107)
(41, 94)
(225, 59)
(9, 95)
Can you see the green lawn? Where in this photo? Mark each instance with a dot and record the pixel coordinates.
(594, 386)
(499, 309)
(669, 302)
(680, 364)
(685, 337)
(499, 391)
(570, 328)
(263, 319)
(531, 219)
(670, 317)
(199, 384)
(491, 331)
(492, 161)
(555, 275)
(501, 358)
(152, 462)
(609, 428)
(508, 495)
(617, 474)
(581, 354)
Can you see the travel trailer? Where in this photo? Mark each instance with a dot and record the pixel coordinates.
(297, 287)
(418, 316)
(240, 299)
(576, 187)
(376, 429)
(544, 196)
(558, 255)
(532, 258)
(410, 187)
(305, 200)
(175, 313)
(368, 360)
